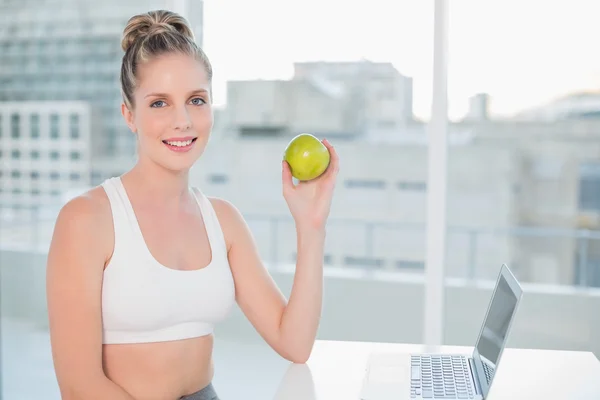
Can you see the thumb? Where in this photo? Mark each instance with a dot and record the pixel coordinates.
(286, 176)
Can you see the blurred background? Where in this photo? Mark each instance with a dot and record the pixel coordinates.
(523, 171)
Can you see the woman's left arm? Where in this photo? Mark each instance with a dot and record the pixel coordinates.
(289, 327)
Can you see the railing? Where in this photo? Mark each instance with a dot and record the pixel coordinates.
(571, 256)
(546, 255)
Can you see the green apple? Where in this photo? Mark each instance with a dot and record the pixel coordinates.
(307, 156)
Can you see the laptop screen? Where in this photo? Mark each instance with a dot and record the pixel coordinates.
(495, 328)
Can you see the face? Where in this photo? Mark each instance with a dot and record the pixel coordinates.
(172, 115)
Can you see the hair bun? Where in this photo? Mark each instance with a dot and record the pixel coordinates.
(153, 23)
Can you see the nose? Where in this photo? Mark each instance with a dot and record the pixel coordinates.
(183, 121)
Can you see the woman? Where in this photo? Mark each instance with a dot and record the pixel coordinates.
(142, 267)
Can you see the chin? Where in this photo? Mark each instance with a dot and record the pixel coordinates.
(178, 166)
(181, 161)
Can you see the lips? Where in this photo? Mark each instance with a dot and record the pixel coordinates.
(180, 144)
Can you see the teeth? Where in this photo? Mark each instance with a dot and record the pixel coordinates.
(180, 144)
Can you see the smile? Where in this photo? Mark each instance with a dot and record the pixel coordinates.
(180, 145)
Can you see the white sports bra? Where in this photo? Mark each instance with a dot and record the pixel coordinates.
(145, 301)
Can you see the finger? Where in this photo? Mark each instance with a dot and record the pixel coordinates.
(286, 176)
(334, 162)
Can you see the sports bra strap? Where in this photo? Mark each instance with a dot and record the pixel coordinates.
(120, 214)
(211, 221)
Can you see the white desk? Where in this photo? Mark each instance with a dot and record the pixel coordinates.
(335, 370)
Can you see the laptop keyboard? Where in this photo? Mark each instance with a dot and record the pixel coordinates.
(440, 377)
(489, 372)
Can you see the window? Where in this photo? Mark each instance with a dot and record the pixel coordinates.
(218, 178)
(54, 126)
(74, 126)
(589, 187)
(412, 186)
(15, 126)
(365, 184)
(34, 121)
(529, 127)
(522, 87)
(363, 262)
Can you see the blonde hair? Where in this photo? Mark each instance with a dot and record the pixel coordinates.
(152, 34)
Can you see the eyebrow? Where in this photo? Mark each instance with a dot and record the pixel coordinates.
(166, 95)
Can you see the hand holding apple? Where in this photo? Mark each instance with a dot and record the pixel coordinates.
(307, 157)
(315, 164)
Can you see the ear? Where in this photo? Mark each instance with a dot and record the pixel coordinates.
(128, 115)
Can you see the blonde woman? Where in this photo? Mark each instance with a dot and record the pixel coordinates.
(142, 267)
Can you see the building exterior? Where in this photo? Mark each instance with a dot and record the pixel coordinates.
(351, 100)
(74, 55)
(45, 150)
(531, 202)
(522, 192)
(59, 72)
(585, 105)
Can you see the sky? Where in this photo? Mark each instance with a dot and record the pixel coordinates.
(524, 53)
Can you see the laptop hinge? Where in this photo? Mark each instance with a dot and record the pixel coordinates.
(475, 377)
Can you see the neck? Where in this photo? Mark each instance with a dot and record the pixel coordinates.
(154, 182)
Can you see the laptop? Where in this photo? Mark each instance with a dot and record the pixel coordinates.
(403, 376)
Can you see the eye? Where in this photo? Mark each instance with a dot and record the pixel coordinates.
(158, 104)
(198, 101)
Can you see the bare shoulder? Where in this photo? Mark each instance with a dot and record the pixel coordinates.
(85, 219)
(224, 208)
(88, 209)
(231, 219)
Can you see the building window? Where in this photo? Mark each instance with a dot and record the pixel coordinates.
(95, 176)
(16, 174)
(589, 187)
(34, 175)
(409, 264)
(74, 126)
(15, 121)
(54, 155)
(218, 179)
(0, 126)
(54, 126)
(35, 154)
(365, 184)
(34, 121)
(74, 176)
(412, 186)
(363, 262)
(54, 175)
(16, 154)
(74, 155)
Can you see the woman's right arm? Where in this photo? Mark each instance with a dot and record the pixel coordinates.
(78, 251)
